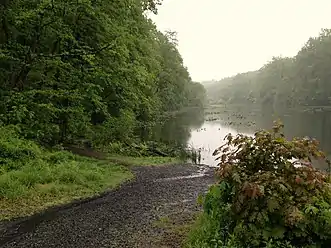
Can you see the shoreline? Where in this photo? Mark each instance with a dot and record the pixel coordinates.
(131, 208)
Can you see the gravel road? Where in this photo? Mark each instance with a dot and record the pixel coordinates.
(130, 216)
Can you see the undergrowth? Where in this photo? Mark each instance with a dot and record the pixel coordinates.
(143, 161)
(32, 179)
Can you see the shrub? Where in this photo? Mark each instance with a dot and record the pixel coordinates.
(58, 157)
(115, 129)
(263, 199)
(15, 151)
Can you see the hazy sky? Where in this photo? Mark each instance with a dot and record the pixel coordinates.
(219, 38)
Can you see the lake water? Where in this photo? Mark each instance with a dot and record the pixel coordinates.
(207, 131)
(208, 137)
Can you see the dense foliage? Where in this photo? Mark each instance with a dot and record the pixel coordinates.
(283, 83)
(263, 199)
(88, 70)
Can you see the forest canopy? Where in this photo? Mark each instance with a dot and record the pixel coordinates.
(88, 69)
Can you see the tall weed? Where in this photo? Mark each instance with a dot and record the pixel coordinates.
(32, 179)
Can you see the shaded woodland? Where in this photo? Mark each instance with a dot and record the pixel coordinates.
(91, 70)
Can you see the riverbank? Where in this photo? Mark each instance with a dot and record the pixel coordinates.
(154, 210)
(40, 184)
(33, 178)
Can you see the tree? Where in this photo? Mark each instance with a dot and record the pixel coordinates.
(73, 70)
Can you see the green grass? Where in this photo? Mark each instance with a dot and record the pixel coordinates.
(173, 229)
(33, 179)
(33, 184)
(40, 184)
(143, 161)
(56, 178)
(203, 233)
(206, 231)
(170, 225)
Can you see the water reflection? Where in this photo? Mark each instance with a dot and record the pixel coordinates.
(298, 123)
(207, 138)
(207, 131)
(176, 130)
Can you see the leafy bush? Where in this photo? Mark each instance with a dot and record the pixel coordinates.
(58, 157)
(14, 151)
(114, 129)
(263, 199)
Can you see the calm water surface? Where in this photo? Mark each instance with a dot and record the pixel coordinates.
(207, 131)
(208, 137)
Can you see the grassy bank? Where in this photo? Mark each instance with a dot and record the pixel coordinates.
(40, 183)
(33, 179)
(61, 177)
(142, 161)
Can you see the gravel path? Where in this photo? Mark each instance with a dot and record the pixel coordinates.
(131, 216)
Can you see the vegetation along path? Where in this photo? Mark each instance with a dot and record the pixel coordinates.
(152, 211)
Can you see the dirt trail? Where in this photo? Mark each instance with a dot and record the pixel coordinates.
(149, 212)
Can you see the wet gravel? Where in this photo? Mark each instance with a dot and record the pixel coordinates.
(121, 218)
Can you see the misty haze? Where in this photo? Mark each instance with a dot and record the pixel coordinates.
(165, 124)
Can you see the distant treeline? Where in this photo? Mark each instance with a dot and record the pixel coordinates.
(88, 69)
(283, 83)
